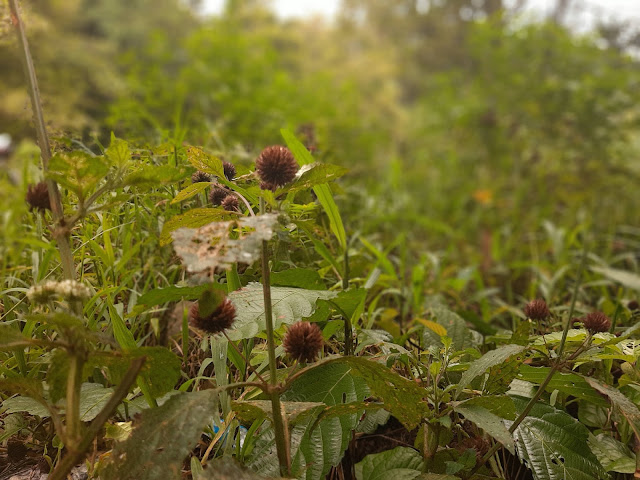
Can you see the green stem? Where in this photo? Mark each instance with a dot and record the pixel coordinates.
(348, 329)
(76, 456)
(60, 232)
(72, 415)
(282, 444)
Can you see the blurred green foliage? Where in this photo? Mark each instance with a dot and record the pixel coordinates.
(464, 120)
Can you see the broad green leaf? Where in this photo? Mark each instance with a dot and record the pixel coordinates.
(554, 445)
(487, 421)
(298, 278)
(118, 152)
(488, 360)
(25, 404)
(315, 448)
(623, 277)
(568, 383)
(401, 463)
(323, 192)
(501, 376)
(205, 162)
(93, 396)
(316, 175)
(163, 438)
(500, 405)
(78, 171)
(161, 369)
(159, 296)
(190, 191)
(290, 305)
(402, 397)
(614, 455)
(627, 408)
(194, 218)
(351, 302)
(455, 326)
(251, 410)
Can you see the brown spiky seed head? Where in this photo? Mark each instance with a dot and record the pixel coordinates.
(229, 170)
(633, 305)
(199, 176)
(537, 310)
(268, 186)
(38, 197)
(217, 194)
(596, 322)
(276, 166)
(221, 318)
(303, 341)
(230, 203)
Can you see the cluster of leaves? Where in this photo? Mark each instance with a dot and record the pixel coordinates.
(456, 393)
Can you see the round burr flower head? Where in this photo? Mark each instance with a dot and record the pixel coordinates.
(276, 166)
(537, 310)
(218, 194)
(38, 197)
(229, 170)
(303, 341)
(230, 203)
(221, 318)
(633, 305)
(596, 322)
(199, 176)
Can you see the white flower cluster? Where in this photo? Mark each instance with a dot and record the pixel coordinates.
(67, 289)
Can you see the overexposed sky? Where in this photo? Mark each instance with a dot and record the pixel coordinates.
(620, 9)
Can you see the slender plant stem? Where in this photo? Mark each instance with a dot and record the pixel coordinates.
(246, 360)
(281, 435)
(348, 329)
(557, 365)
(74, 457)
(73, 430)
(60, 232)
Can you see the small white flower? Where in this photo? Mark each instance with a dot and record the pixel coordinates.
(66, 289)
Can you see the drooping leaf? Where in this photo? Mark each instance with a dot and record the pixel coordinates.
(205, 162)
(487, 421)
(554, 445)
(323, 192)
(568, 383)
(289, 306)
(623, 277)
(194, 218)
(316, 174)
(627, 408)
(400, 463)
(614, 455)
(190, 191)
(221, 244)
(251, 410)
(500, 405)
(165, 435)
(298, 278)
(488, 360)
(25, 404)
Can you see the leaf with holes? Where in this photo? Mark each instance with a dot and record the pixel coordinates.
(222, 244)
(165, 435)
(290, 305)
(554, 445)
